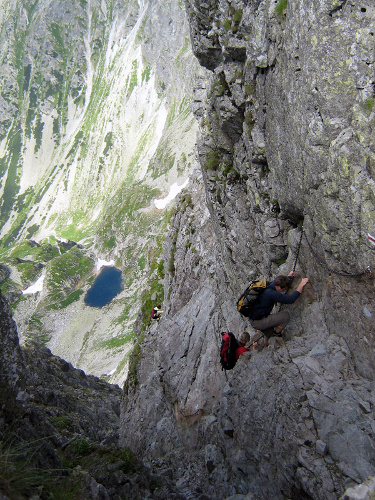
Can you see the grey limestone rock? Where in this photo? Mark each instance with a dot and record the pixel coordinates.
(286, 138)
(12, 363)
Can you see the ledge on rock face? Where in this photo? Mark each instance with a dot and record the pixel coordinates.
(210, 57)
(235, 50)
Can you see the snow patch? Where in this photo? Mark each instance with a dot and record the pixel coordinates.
(101, 263)
(36, 287)
(174, 190)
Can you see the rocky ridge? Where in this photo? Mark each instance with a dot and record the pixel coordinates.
(285, 142)
(59, 430)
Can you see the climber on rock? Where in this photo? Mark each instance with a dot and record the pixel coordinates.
(243, 340)
(245, 345)
(156, 312)
(273, 324)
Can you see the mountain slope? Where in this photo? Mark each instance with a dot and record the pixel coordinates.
(90, 112)
(95, 124)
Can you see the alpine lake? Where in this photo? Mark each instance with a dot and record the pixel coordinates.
(106, 286)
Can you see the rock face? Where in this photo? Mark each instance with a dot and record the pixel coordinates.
(12, 366)
(286, 139)
(40, 391)
(65, 423)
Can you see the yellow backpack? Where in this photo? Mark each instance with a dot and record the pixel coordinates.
(246, 302)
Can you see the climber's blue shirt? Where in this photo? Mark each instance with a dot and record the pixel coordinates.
(269, 298)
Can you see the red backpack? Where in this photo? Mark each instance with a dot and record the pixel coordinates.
(229, 345)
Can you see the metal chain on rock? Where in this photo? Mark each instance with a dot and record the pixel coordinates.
(298, 249)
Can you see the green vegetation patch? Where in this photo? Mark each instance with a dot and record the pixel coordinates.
(212, 160)
(140, 37)
(29, 271)
(76, 143)
(219, 86)
(123, 215)
(108, 143)
(133, 79)
(237, 16)
(155, 290)
(21, 477)
(10, 164)
(72, 297)
(37, 252)
(61, 422)
(280, 7)
(32, 230)
(171, 114)
(182, 52)
(163, 160)
(369, 103)
(64, 276)
(93, 457)
(142, 262)
(134, 359)
(35, 323)
(9, 285)
(29, 258)
(146, 74)
(227, 24)
(117, 342)
(77, 229)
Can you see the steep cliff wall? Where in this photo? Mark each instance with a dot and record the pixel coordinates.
(285, 140)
